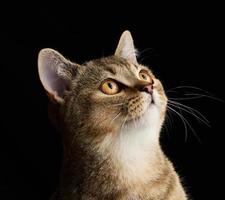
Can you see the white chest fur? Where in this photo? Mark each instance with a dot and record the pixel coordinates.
(134, 148)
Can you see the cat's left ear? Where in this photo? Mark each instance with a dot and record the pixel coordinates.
(125, 48)
(56, 74)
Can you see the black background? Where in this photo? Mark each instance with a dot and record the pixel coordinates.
(182, 43)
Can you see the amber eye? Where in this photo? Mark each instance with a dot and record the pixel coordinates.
(144, 76)
(109, 87)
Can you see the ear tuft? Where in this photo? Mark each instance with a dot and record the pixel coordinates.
(125, 48)
(55, 73)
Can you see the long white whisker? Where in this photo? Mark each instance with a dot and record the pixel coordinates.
(188, 98)
(190, 87)
(168, 119)
(144, 51)
(188, 107)
(140, 54)
(204, 95)
(201, 93)
(185, 122)
(193, 111)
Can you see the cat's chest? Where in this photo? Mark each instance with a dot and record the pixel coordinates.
(133, 155)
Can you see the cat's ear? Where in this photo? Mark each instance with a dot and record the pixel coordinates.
(125, 48)
(55, 73)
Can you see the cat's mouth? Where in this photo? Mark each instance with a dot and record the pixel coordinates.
(140, 119)
(151, 100)
(139, 106)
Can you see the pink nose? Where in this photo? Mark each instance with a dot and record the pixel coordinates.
(147, 88)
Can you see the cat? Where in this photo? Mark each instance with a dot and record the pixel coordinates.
(110, 112)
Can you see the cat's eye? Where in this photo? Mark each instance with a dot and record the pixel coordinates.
(109, 87)
(144, 75)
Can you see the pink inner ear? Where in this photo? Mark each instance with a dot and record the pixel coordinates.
(53, 82)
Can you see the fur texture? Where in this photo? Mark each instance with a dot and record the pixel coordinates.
(111, 142)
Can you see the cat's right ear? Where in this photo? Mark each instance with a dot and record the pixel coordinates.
(125, 48)
(55, 73)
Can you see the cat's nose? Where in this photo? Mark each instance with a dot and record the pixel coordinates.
(147, 88)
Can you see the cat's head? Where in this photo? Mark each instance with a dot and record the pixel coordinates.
(104, 96)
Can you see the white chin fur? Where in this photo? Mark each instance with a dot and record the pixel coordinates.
(144, 130)
(136, 144)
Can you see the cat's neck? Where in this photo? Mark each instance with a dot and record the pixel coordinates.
(133, 152)
(132, 159)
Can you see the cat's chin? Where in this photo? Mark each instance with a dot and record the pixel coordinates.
(142, 119)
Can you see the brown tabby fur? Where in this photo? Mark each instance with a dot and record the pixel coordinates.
(99, 162)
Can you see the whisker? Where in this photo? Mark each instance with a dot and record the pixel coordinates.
(117, 115)
(152, 53)
(143, 58)
(197, 117)
(145, 50)
(189, 93)
(189, 87)
(186, 123)
(204, 95)
(191, 110)
(171, 91)
(169, 118)
(201, 93)
(183, 121)
(187, 98)
(124, 121)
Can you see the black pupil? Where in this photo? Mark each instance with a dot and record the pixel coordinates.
(143, 76)
(110, 85)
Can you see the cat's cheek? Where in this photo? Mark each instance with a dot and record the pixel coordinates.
(97, 96)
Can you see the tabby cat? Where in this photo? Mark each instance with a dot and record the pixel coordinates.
(110, 112)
